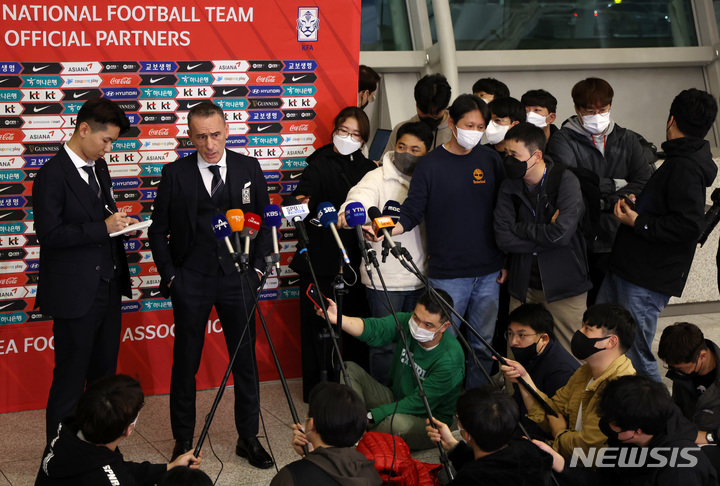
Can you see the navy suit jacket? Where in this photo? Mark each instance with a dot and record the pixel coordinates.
(72, 237)
(175, 210)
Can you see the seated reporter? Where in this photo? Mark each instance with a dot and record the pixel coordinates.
(335, 422)
(397, 409)
(487, 418)
(85, 450)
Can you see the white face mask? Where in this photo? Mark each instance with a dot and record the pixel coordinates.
(420, 335)
(346, 145)
(596, 124)
(495, 133)
(537, 119)
(468, 138)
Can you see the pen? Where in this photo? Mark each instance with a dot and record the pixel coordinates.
(109, 210)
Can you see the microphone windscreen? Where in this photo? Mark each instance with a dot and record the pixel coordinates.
(221, 227)
(392, 209)
(273, 216)
(236, 218)
(327, 214)
(373, 212)
(355, 214)
(252, 224)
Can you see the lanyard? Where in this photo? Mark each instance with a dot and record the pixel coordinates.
(542, 181)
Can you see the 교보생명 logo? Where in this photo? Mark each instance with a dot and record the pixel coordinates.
(307, 24)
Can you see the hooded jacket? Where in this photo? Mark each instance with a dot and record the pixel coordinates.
(70, 461)
(679, 434)
(520, 463)
(657, 252)
(621, 158)
(523, 229)
(379, 186)
(345, 465)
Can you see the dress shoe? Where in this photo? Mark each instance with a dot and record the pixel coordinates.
(181, 447)
(253, 450)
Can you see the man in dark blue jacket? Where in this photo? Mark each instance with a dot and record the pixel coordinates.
(537, 214)
(656, 242)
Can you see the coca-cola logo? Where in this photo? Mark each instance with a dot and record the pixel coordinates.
(8, 136)
(265, 79)
(161, 131)
(152, 270)
(123, 80)
(125, 209)
(300, 128)
(9, 281)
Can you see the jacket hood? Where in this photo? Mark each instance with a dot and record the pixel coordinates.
(68, 455)
(346, 465)
(696, 151)
(390, 172)
(521, 462)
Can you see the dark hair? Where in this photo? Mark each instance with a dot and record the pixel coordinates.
(108, 407)
(184, 476)
(536, 316)
(508, 107)
(418, 129)
(204, 110)
(464, 104)
(694, 112)
(489, 415)
(432, 94)
(339, 414)
(100, 112)
(434, 306)
(681, 343)
(359, 115)
(529, 135)
(491, 86)
(368, 79)
(540, 97)
(635, 402)
(615, 319)
(592, 92)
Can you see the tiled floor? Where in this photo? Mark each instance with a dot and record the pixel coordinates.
(22, 433)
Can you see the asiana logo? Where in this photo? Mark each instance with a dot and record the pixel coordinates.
(308, 23)
(479, 176)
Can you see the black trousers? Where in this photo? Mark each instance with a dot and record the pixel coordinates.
(193, 296)
(86, 349)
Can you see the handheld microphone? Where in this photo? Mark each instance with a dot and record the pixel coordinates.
(273, 220)
(392, 209)
(327, 214)
(355, 217)
(381, 224)
(296, 213)
(222, 230)
(236, 218)
(250, 230)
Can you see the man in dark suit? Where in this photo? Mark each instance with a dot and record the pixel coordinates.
(83, 271)
(198, 272)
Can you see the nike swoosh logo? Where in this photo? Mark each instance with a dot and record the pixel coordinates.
(3, 190)
(190, 68)
(78, 95)
(262, 129)
(38, 110)
(292, 282)
(295, 176)
(3, 80)
(4, 215)
(153, 293)
(38, 69)
(153, 80)
(6, 305)
(297, 78)
(194, 104)
(228, 91)
(154, 183)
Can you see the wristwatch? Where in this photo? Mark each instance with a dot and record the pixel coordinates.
(370, 417)
(710, 437)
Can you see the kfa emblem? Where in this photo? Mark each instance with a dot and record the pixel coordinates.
(307, 24)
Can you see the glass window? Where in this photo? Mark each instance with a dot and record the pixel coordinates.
(385, 26)
(582, 24)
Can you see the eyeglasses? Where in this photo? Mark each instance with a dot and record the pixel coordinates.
(521, 337)
(343, 132)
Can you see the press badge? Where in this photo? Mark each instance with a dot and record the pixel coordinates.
(246, 193)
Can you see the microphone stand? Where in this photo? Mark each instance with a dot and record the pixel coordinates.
(303, 250)
(421, 391)
(501, 359)
(339, 286)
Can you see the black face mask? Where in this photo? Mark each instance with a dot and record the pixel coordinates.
(433, 123)
(583, 347)
(613, 439)
(514, 168)
(405, 162)
(526, 354)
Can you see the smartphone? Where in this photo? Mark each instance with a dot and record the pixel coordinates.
(629, 202)
(314, 294)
